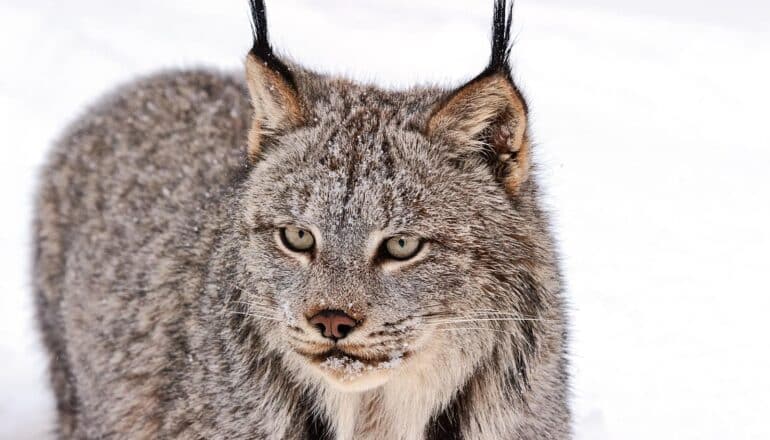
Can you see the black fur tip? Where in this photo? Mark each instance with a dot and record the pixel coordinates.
(499, 61)
(261, 47)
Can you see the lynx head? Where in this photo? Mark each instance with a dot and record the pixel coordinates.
(385, 231)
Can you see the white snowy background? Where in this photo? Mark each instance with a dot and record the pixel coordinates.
(651, 119)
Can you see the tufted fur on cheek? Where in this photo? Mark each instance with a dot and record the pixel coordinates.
(488, 116)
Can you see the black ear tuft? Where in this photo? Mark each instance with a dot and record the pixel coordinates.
(489, 114)
(499, 61)
(261, 48)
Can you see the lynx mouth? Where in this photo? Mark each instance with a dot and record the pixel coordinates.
(337, 353)
(347, 367)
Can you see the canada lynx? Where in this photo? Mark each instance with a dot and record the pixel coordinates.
(322, 260)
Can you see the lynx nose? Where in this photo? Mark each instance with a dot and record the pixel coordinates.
(333, 324)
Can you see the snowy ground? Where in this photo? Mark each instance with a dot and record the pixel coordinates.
(653, 141)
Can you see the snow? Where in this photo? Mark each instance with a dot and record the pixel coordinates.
(288, 316)
(652, 138)
(349, 368)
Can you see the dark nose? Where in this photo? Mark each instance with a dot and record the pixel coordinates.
(333, 324)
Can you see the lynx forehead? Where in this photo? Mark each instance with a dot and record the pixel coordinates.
(322, 259)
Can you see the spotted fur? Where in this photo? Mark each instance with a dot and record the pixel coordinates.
(170, 309)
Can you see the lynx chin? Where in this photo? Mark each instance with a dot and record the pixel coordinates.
(290, 255)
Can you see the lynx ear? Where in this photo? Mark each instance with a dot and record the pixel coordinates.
(273, 90)
(489, 112)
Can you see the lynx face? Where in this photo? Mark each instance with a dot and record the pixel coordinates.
(386, 230)
(390, 249)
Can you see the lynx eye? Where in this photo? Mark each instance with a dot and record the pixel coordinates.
(402, 247)
(296, 239)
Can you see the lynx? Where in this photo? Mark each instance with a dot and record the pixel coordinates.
(290, 255)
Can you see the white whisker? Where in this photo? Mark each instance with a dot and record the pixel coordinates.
(269, 318)
(479, 328)
(452, 321)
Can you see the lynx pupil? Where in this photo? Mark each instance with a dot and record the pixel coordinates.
(296, 239)
(401, 247)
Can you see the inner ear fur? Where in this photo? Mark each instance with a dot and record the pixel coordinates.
(487, 114)
(276, 101)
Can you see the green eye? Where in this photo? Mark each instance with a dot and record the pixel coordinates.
(296, 239)
(402, 247)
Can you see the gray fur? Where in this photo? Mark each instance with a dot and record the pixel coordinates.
(157, 267)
